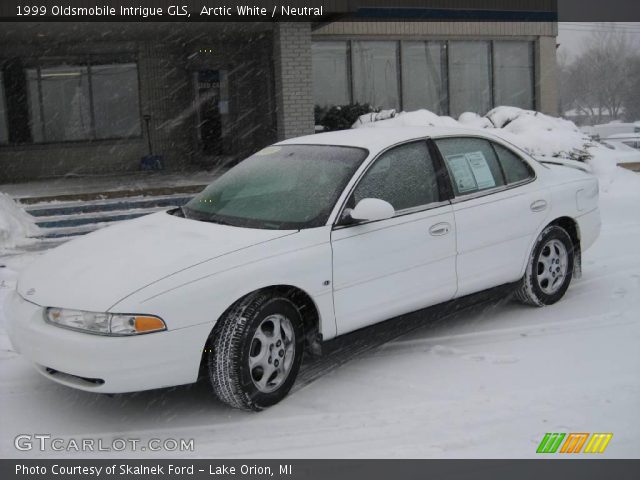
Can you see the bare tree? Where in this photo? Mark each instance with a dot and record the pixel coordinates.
(599, 78)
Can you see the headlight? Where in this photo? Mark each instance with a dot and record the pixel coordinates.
(104, 323)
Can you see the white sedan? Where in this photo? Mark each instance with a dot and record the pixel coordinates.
(306, 240)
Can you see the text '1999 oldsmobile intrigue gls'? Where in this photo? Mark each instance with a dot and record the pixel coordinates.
(306, 240)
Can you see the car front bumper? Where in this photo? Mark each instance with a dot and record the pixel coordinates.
(101, 363)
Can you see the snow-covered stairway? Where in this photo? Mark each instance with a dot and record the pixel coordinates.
(62, 219)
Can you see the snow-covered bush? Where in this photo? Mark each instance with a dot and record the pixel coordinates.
(15, 224)
(340, 117)
(536, 133)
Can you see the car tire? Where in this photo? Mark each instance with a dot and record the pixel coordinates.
(255, 351)
(549, 269)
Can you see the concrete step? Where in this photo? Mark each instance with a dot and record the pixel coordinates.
(75, 220)
(58, 208)
(62, 220)
(71, 231)
(116, 194)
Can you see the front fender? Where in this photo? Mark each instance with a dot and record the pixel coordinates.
(201, 294)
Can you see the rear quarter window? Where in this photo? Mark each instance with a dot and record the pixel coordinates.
(515, 169)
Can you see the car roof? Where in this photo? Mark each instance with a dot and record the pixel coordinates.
(376, 139)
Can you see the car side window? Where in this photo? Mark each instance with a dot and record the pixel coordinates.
(515, 169)
(472, 164)
(403, 176)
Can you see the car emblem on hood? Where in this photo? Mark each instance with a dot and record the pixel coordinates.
(31, 291)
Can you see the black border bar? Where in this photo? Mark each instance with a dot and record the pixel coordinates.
(346, 10)
(583, 469)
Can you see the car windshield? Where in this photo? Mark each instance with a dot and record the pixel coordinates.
(280, 187)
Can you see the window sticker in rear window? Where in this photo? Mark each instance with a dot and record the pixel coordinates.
(481, 171)
(470, 171)
(461, 173)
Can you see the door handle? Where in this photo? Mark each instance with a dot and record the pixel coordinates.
(538, 205)
(439, 229)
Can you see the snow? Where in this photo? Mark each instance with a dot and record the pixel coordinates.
(16, 226)
(617, 152)
(536, 133)
(102, 184)
(486, 381)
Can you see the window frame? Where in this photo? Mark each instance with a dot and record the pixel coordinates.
(532, 78)
(86, 61)
(444, 189)
(488, 43)
(489, 191)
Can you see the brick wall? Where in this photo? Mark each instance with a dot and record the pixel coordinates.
(293, 79)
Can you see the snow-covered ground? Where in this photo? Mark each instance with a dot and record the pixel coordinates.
(16, 226)
(487, 381)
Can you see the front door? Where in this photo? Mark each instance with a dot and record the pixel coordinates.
(389, 267)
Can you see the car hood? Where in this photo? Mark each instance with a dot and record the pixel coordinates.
(98, 270)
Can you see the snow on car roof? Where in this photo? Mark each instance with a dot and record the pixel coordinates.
(375, 139)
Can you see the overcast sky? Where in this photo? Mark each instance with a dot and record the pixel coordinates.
(572, 36)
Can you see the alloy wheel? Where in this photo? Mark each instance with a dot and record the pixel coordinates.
(552, 266)
(272, 353)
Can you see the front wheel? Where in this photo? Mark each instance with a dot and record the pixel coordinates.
(549, 270)
(256, 351)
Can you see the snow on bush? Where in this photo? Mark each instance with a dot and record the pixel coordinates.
(538, 134)
(15, 224)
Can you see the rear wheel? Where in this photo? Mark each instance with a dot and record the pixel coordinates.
(549, 270)
(256, 351)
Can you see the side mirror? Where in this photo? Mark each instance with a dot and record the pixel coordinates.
(371, 209)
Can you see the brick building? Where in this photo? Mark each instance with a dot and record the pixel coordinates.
(77, 98)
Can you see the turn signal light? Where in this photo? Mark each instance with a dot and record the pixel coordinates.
(148, 324)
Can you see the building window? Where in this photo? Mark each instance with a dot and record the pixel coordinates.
(330, 64)
(445, 77)
(59, 104)
(71, 103)
(513, 73)
(470, 77)
(115, 100)
(4, 131)
(375, 73)
(424, 76)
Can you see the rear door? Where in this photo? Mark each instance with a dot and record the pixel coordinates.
(498, 207)
(389, 267)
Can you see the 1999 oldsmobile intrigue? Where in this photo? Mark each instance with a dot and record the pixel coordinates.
(306, 240)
